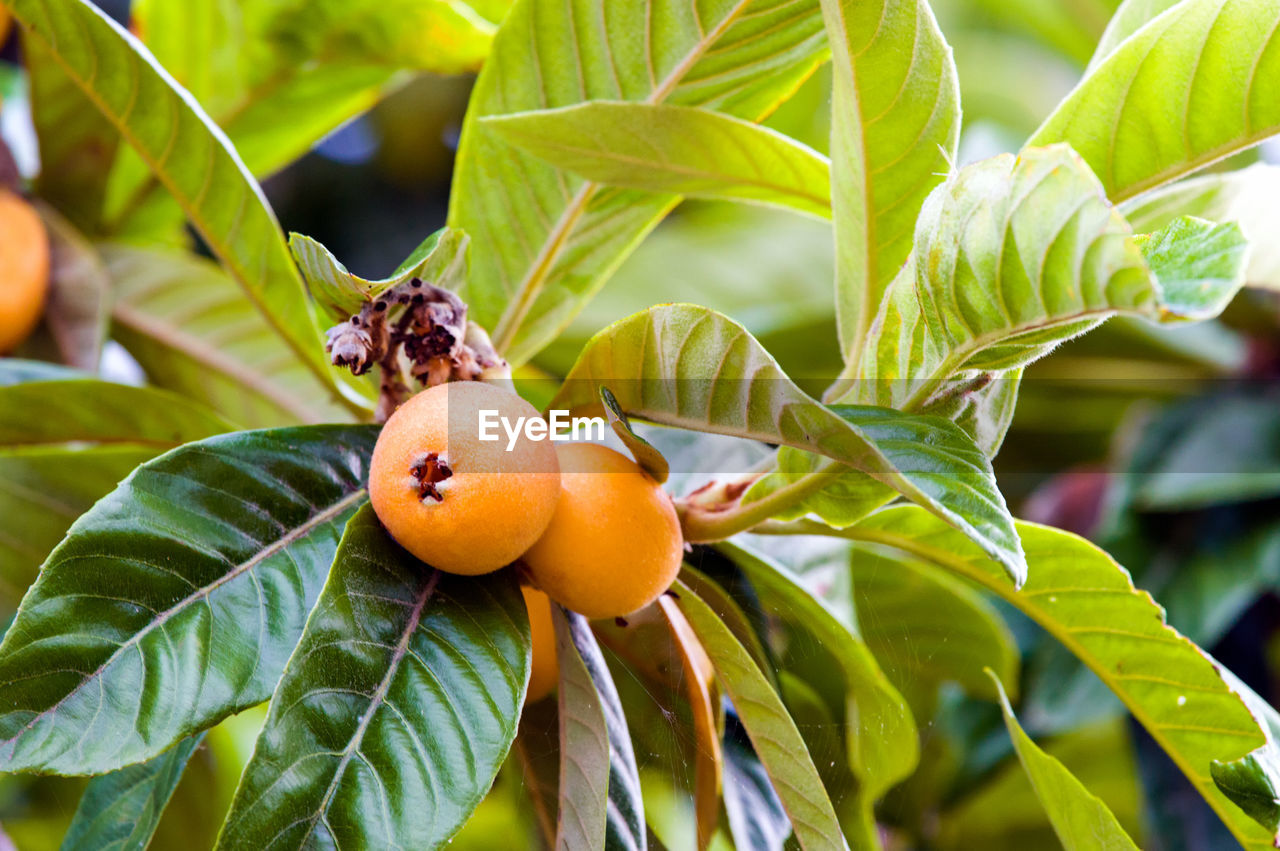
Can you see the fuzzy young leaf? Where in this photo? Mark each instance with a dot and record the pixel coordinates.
(1194, 85)
(545, 241)
(440, 260)
(395, 711)
(188, 154)
(1250, 197)
(188, 325)
(122, 809)
(1081, 597)
(600, 803)
(1197, 265)
(1081, 820)
(1013, 255)
(677, 149)
(197, 574)
(777, 742)
(721, 380)
(894, 130)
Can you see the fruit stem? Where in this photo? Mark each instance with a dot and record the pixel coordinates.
(703, 523)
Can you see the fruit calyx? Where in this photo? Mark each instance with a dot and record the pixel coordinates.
(430, 471)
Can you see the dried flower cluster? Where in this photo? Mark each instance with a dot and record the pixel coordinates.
(414, 330)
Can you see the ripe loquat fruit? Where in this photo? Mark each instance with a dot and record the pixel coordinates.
(24, 269)
(614, 543)
(461, 504)
(544, 672)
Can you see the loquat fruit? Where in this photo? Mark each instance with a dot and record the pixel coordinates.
(459, 503)
(614, 543)
(544, 672)
(24, 269)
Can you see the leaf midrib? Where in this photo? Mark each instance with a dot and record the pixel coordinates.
(279, 545)
(237, 271)
(375, 701)
(508, 325)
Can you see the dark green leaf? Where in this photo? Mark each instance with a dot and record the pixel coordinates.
(119, 811)
(395, 711)
(176, 600)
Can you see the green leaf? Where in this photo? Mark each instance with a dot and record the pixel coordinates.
(545, 241)
(773, 734)
(720, 380)
(189, 327)
(395, 711)
(1196, 84)
(121, 810)
(676, 149)
(1130, 16)
(66, 440)
(882, 737)
(199, 42)
(894, 130)
(188, 154)
(1198, 265)
(440, 260)
(1253, 782)
(600, 803)
(77, 144)
(1081, 597)
(1247, 197)
(443, 38)
(927, 627)
(1080, 819)
(933, 452)
(644, 452)
(757, 819)
(1036, 231)
(195, 575)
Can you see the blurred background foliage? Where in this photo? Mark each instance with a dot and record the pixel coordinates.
(1164, 448)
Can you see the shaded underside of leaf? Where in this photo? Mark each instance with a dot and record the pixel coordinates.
(544, 240)
(1081, 597)
(1197, 83)
(686, 366)
(773, 733)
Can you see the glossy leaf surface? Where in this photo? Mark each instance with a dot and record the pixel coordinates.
(395, 711)
(196, 575)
